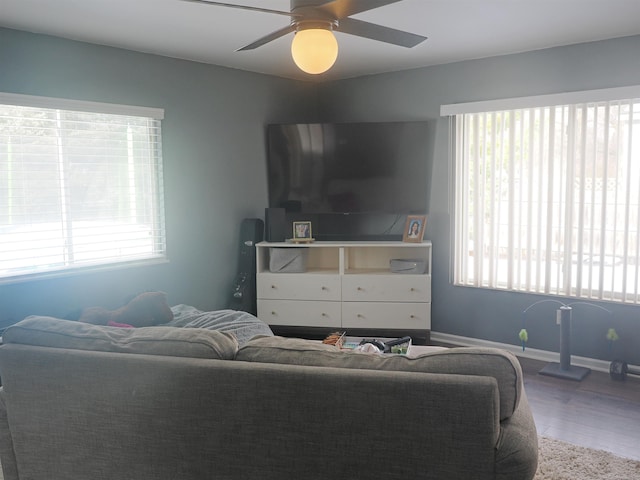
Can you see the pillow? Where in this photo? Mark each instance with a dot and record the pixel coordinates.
(490, 362)
(170, 341)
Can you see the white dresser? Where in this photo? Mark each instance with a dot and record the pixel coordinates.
(349, 286)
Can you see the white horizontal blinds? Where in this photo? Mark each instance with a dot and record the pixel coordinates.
(547, 200)
(78, 188)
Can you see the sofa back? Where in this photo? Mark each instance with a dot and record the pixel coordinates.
(490, 362)
(79, 414)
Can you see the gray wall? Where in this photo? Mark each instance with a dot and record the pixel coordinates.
(417, 95)
(213, 138)
(214, 162)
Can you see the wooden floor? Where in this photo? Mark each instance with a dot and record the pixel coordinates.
(597, 412)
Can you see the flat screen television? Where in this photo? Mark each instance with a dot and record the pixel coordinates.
(350, 167)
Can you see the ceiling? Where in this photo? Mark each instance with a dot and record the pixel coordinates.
(456, 30)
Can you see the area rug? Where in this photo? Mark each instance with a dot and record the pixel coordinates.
(563, 461)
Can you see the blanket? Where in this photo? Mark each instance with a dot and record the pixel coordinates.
(242, 324)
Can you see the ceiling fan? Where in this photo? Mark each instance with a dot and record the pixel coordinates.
(314, 47)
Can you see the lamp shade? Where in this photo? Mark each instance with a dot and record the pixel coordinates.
(314, 50)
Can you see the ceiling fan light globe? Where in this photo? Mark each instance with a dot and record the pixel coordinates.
(314, 50)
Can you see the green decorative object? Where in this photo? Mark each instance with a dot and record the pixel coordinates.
(612, 336)
(524, 337)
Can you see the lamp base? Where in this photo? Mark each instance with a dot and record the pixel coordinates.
(572, 373)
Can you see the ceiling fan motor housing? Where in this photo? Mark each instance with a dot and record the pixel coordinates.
(314, 24)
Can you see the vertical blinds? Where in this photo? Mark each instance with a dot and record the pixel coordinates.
(547, 199)
(78, 188)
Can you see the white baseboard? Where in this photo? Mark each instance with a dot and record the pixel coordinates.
(543, 355)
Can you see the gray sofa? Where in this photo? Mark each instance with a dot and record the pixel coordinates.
(83, 402)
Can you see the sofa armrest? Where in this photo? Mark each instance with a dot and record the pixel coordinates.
(517, 448)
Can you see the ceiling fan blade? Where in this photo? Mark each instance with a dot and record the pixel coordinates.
(268, 38)
(378, 32)
(344, 8)
(243, 7)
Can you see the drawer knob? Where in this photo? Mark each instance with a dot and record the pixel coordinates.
(412, 316)
(359, 315)
(273, 313)
(412, 289)
(325, 288)
(360, 289)
(323, 314)
(273, 286)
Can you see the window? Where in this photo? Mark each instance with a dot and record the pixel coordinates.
(547, 195)
(80, 186)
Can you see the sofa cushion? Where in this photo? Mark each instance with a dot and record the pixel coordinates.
(170, 341)
(492, 362)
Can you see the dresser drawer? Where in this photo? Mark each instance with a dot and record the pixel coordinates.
(299, 312)
(386, 315)
(304, 286)
(386, 288)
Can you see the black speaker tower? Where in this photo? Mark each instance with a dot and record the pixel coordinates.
(275, 224)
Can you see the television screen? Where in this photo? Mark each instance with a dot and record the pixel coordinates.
(350, 167)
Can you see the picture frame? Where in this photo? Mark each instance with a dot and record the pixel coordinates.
(302, 232)
(414, 228)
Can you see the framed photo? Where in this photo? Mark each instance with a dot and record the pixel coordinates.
(302, 232)
(414, 228)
